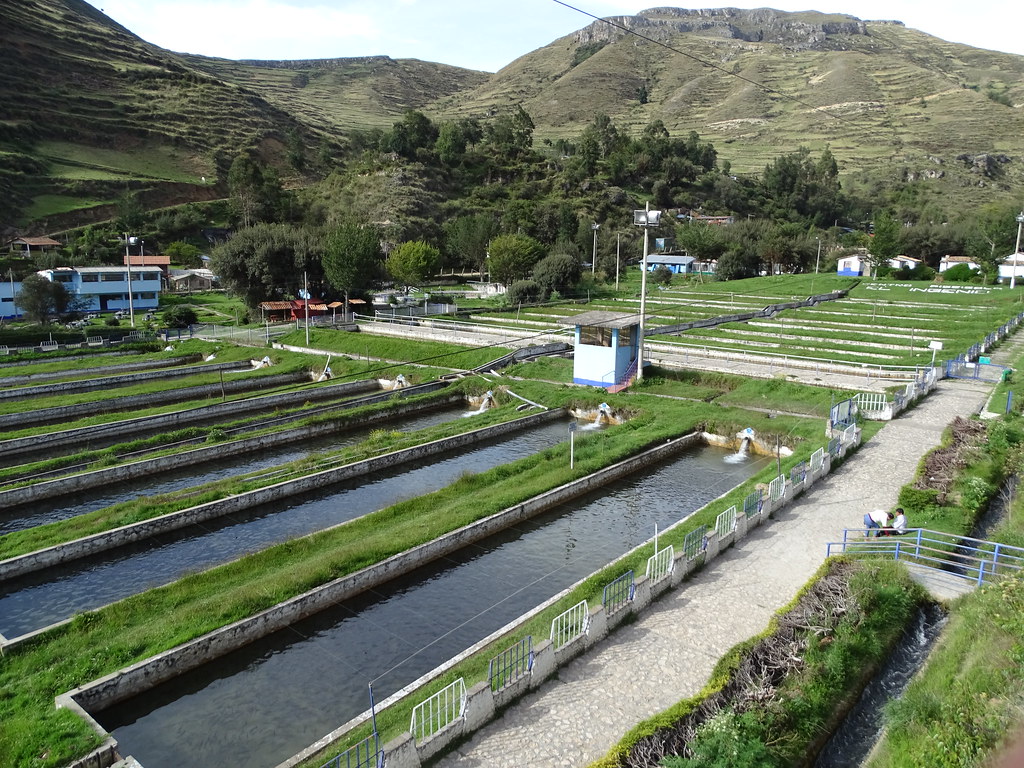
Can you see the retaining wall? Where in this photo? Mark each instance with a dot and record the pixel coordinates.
(140, 365)
(146, 674)
(148, 467)
(133, 402)
(126, 429)
(109, 382)
(289, 489)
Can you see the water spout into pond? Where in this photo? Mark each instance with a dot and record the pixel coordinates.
(741, 455)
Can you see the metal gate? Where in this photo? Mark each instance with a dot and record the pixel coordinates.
(959, 369)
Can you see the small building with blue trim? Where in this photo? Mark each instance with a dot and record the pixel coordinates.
(606, 346)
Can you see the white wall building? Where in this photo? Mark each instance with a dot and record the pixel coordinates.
(105, 289)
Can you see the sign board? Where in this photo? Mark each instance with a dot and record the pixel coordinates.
(985, 360)
(572, 426)
(934, 345)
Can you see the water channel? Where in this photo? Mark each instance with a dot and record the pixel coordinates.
(267, 701)
(856, 736)
(40, 599)
(83, 502)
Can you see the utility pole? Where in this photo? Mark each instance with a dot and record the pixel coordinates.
(128, 266)
(593, 258)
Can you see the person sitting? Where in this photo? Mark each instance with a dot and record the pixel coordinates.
(899, 524)
(875, 520)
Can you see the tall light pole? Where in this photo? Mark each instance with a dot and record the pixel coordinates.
(817, 261)
(128, 266)
(618, 251)
(593, 258)
(646, 219)
(1016, 250)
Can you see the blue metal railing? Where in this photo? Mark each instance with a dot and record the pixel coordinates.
(511, 664)
(696, 541)
(971, 559)
(752, 504)
(617, 593)
(366, 754)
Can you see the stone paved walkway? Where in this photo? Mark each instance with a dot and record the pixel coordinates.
(669, 652)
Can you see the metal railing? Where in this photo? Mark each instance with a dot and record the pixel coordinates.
(570, 625)
(849, 435)
(833, 446)
(660, 564)
(817, 460)
(695, 542)
(440, 710)
(971, 559)
(511, 664)
(871, 402)
(618, 593)
(797, 475)
(752, 504)
(777, 487)
(725, 523)
(366, 754)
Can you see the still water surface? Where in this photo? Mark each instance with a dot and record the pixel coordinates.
(267, 701)
(40, 599)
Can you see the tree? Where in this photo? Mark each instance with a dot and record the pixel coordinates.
(412, 262)
(525, 291)
(39, 298)
(451, 143)
(886, 241)
(267, 261)
(512, 257)
(180, 316)
(184, 253)
(255, 191)
(352, 256)
(466, 239)
(557, 272)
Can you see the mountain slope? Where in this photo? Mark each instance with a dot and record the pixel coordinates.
(759, 83)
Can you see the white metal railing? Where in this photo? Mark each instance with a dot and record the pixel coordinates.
(443, 708)
(910, 392)
(660, 564)
(817, 459)
(871, 402)
(777, 487)
(567, 626)
(848, 435)
(725, 523)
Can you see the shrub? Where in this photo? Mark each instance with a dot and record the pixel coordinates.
(179, 317)
(961, 273)
(525, 292)
(917, 500)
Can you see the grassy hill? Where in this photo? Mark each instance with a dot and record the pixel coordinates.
(91, 110)
(885, 98)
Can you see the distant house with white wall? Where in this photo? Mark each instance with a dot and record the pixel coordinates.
(105, 289)
(1012, 265)
(951, 261)
(852, 266)
(904, 262)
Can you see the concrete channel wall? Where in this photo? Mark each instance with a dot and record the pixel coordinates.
(177, 419)
(128, 534)
(482, 703)
(141, 365)
(137, 678)
(148, 467)
(132, 402)
(109, 382)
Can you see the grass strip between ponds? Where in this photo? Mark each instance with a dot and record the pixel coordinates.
(97, 643)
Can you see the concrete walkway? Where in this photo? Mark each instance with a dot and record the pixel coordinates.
(669, 652)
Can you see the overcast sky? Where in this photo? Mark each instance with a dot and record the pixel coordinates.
(479, 34)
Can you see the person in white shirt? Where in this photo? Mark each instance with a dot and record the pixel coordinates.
(898, 526)
(875, 520)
